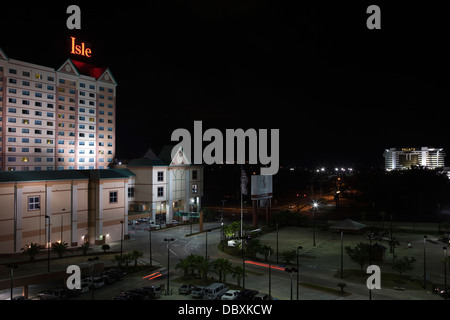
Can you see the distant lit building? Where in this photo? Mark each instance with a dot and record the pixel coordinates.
(405, 158)
(56, 119)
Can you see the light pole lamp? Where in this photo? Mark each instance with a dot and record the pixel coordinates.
(270, 274)
(91, 260)
(121, 242)
(12, 267)
(315, 206)
(150, 237)
(342, 254)
(206, 244)
(291, 271)
(445, 272)
(168, 240)
(48, 244)
(62, 223)
(298, 270)
(424, 263)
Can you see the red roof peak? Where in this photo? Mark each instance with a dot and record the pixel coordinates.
(89, 69)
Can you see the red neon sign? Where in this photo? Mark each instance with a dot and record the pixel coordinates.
(80, 50)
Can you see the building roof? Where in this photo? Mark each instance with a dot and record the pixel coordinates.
(89, 69)
(143, 162)
(22, 176)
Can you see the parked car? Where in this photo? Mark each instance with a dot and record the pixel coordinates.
(53, 294)
(95, 282)
(116, 274)
(247, 294)
(130, 295)
(152, 292)
(84, 288)
(215, 291)
(186, 289)
(197, 292)
(262, 296)
(230, 295)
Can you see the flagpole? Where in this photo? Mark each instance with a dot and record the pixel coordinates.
(242, 244)
(244, 182)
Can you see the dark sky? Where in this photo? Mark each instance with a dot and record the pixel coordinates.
(338, 92)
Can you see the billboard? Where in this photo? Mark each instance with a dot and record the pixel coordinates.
(261, 187)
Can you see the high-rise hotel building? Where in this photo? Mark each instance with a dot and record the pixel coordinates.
(404, 158)
(56, 119)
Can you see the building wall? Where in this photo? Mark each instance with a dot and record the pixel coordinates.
(177, 184)
(403, 158)
(54, 120)
(79, 210)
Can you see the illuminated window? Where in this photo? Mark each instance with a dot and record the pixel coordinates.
(34, 203)
(113, 197)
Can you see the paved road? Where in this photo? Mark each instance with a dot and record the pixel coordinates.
(318, 264)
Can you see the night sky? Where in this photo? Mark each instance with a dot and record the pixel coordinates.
(339, 93)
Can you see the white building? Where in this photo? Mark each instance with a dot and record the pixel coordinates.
(165, 187)
(72, 206)
(56, 119)
(404, 158)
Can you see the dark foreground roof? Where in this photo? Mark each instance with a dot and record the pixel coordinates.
(18, 176)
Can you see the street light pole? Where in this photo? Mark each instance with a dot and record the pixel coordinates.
(91, 260)
(62, 222)
(270, 274)
(424, 264)
(206, 244)
(291, 271)
(445, 272)
(12, 267)
(121, 242)
(150, 238)
(48, 244)
(342, 254)
(276, 226)
(315, 205)
(298, 270)
(168, 240)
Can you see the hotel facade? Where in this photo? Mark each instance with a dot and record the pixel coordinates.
(72, 206)
(95, 206)
(56, 119)
(404, 158)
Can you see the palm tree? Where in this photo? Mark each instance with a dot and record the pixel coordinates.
(135, 255)
(127, 257)
(204, 267)
(288, 255)
(105, 247)
(222, 267)
(185, 265)
(31, 250)
(85, 246)
(195, 262)
(238, 273)
(264, 249)
(60, 248)
(252, 247)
